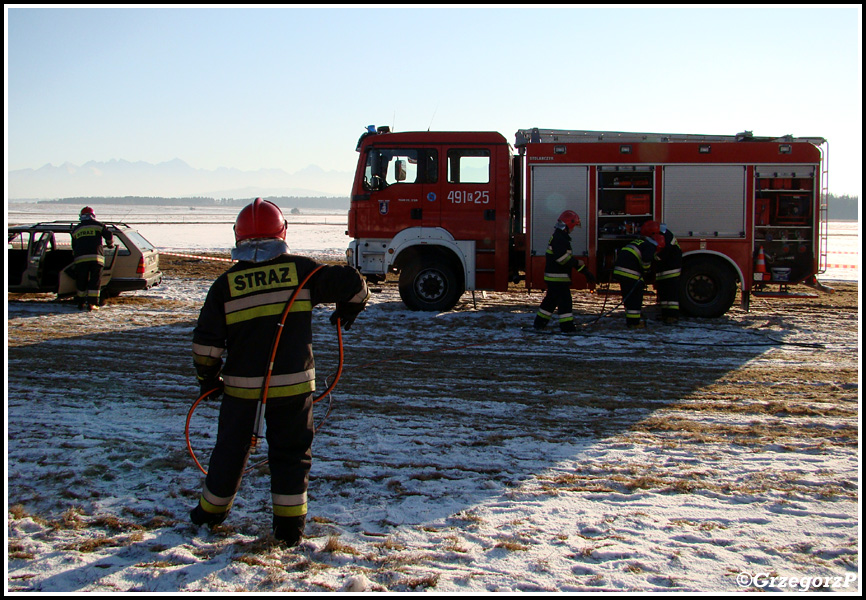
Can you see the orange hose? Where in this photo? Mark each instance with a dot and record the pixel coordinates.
(276, 344)
(186, 430)
(339, 364)
(267, 382)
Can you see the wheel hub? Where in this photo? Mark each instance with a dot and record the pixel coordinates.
(430, 285)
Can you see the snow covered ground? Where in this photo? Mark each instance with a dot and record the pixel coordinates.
(462, 454)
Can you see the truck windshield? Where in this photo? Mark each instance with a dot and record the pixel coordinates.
(386, 167)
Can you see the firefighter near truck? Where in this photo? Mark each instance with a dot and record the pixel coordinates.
(461, 211)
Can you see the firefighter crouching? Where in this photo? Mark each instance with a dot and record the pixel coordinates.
(559, 261)
(239, 317)
(668, 268)
(634, 263)
(89, 257)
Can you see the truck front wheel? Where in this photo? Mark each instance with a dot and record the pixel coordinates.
(429, 284)
(707, 288)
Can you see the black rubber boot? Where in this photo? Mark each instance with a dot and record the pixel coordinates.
(289, 529)
(200, 516)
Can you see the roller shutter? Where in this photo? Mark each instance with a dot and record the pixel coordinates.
(556, 188)
(705, 201)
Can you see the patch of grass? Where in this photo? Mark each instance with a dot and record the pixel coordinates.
(321, 520)
(396, 487)
(18, 550)
(261, 545)
(635, 567)
(334, 545)
(391, 544)
(17, 511)
(307, 565)
(274, 577)
(424, 581)
(92, 544)
(343, 478)
(435, 475)
(114, 523)
(252, 560)
(70, 519)
(511, 546)
(469, 516)
(157, 564)
(452, 544)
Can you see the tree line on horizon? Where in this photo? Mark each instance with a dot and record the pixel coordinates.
(840, 208)
(843, 208)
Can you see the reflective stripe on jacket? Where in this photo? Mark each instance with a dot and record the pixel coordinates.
(670, 259)
(559, 259)
(240, 316)
(87, 238)
(634, 260)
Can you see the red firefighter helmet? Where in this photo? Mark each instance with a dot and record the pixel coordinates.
(659, 240)
(86, 211)
(570, 219)
(650, 229)
(260, 219)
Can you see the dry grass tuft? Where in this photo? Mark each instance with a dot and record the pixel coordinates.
(425, 581)
(334, 545)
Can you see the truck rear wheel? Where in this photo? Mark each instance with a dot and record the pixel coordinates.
(707, 288)
(429, 284)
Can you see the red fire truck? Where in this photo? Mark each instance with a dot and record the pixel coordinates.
(460, 211)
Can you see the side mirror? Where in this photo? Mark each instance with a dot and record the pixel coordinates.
(400, 170)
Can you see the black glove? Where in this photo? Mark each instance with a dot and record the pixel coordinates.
(215, 384)
(589, 276)
(346, 312)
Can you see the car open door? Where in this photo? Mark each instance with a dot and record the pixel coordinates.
(39, 245)
(66, 286)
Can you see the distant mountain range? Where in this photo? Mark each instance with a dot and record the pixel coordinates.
(171, 179)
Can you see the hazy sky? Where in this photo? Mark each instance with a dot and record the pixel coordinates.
(287, 87)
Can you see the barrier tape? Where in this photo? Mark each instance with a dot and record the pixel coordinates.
(843, 266)
(198, 256)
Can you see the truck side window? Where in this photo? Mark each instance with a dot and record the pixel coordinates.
(387, 166)
(468, 166)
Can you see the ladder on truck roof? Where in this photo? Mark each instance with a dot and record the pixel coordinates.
(536, 135)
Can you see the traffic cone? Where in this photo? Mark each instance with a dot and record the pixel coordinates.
(760, 266)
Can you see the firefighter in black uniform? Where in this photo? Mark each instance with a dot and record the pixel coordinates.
(634, 263)
(240, 317)
(559, 261)
(89, 257)
(668, 268)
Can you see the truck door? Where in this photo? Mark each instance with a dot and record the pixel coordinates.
(475, 209)
(556, 188)
(400, 182)
(469, 212)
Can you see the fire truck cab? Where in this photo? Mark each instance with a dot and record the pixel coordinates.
(438, 207)
(457, 211)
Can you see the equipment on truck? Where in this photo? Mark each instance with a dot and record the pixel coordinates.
(460, 211)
